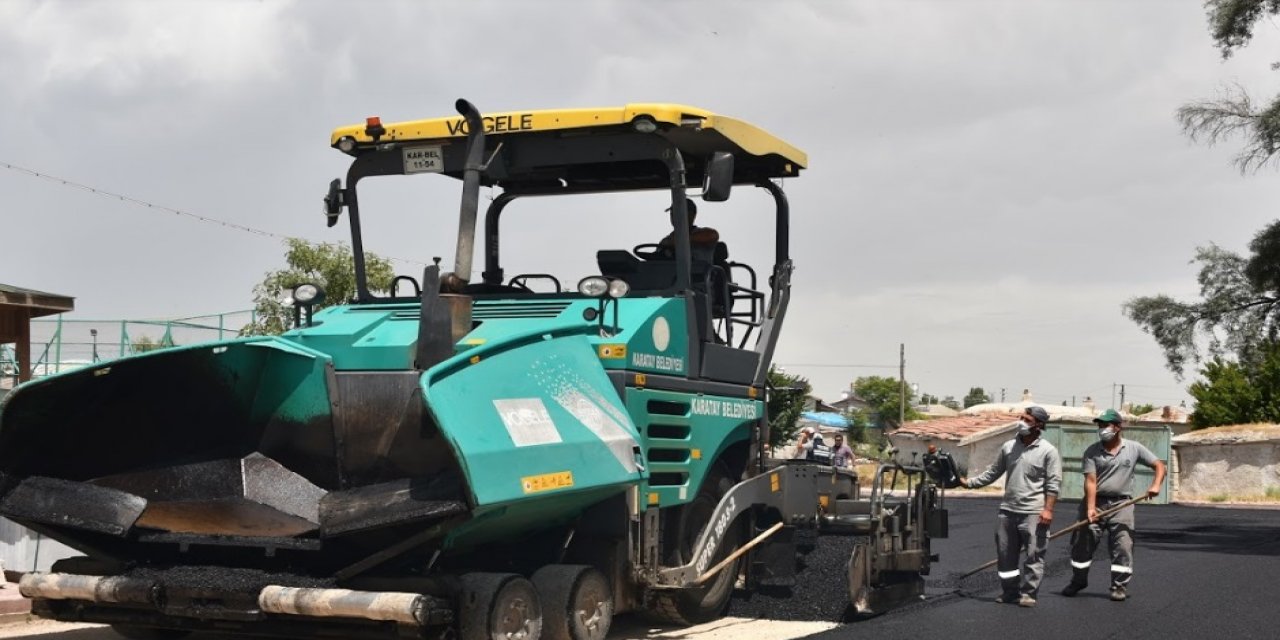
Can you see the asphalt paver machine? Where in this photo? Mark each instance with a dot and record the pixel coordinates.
(449, 456)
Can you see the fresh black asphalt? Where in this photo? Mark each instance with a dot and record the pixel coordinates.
(1199, 572)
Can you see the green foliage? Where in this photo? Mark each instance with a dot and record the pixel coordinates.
(1236, 312)
(787, 394)
(1238, 392)
(884, 396)
(858, 423)
(1139, 409)
(950, 402)
(143, 344)
(976, 395)
(1234, 113)
(1231, 21)
(329, 265)
(928, 399)
(1273, 493)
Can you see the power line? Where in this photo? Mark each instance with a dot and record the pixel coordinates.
(151, 205)
(839, 366)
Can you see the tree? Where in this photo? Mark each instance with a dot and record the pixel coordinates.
(858, 423)
(1236, 312)
(928, 399)
(1234, 393)
(1139, 409)
(1231, 23)
(787, 394)
(884, 397)
(143, 344)
(976, 396)
(951, 403)
(329, 265)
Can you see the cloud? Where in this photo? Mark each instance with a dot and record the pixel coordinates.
(964, 156)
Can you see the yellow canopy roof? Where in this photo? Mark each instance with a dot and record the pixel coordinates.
(675, 118)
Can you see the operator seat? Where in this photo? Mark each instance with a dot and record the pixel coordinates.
(641, 275)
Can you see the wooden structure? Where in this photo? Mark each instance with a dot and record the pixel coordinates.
(17, 307)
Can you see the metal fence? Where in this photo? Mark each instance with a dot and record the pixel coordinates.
(59, 344)
(1072, 440)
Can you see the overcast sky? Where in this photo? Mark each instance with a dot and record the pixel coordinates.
(988, 181)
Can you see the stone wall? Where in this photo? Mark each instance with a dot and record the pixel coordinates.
(1237, 470)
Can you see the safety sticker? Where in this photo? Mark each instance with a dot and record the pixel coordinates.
(612, 351)
(547, 482)
(527, 421)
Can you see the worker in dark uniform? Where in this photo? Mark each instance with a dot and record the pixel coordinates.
(1108, 467)
(1033, 475)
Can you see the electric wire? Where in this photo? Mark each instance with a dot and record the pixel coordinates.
(179, 212)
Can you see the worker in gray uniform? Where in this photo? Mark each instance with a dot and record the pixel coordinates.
(1108, 467)
(1033, 474)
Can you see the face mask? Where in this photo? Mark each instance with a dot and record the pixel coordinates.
(1107, 435)
(1024, 429)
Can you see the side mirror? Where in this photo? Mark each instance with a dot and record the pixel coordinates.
(719, 177)
(334, 201)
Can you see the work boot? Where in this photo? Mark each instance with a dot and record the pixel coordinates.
(1118, 594)
(1026, 601)
(1072, 589)
(1006, 598)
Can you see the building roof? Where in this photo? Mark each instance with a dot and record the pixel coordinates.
(848, 402)
(1234, 434)
(960, 429)
(1057, 413)
(38, 302)
(1177, 415)
(936, 410)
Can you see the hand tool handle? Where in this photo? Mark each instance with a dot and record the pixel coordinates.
(1101, 514)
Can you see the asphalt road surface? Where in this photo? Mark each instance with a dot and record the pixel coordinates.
(1200, 572)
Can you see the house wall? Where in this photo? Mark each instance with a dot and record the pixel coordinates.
(982, 453)
(1233, 470)
(22, 549)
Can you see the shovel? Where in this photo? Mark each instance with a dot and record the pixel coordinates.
(1101, 514)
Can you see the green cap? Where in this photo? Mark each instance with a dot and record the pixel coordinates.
(1109, 416)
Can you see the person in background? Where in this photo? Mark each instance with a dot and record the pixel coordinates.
(1108, 466)
(804, 443)
(841, 454)
(1033, 475)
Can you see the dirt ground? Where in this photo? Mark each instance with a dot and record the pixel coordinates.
(625, 628)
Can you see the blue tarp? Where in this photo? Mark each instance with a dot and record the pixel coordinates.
(826, 419)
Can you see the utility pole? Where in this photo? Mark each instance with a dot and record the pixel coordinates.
(1073, 401)
(1001, 394)
(1121, 398)
(902, 384)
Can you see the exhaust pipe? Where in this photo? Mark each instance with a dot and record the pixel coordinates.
(470, 198)
(406, 608)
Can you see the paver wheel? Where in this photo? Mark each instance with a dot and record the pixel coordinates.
(148, 633)
(576, 602)
(498, 606)
(708, 602)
